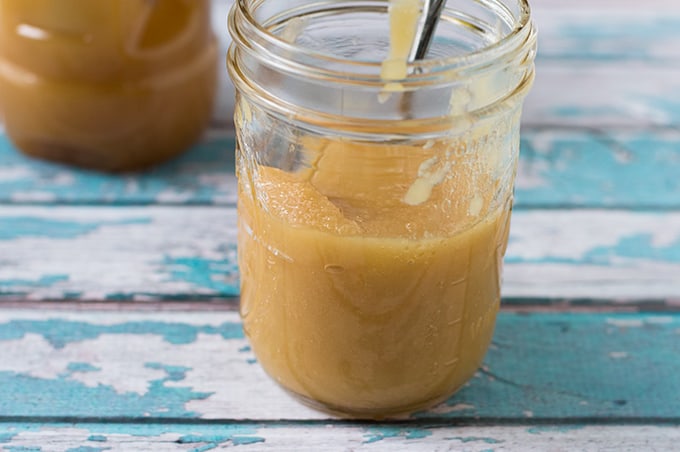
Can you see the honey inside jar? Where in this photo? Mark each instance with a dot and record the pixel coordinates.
(107, 84)
(357, 301)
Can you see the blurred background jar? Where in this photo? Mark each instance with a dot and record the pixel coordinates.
(108, 84)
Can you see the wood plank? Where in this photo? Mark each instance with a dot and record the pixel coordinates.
(603, 95)
(607, 31)
(204, 175)
(181, 253)
(362, 437)
(575, 368)
(118, 253)
(599, 168)
(606, 64)
(559, 167)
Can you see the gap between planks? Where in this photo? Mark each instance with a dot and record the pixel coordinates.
(420, 422)
(512, 305)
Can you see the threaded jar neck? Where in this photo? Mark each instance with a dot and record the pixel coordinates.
(322, 60)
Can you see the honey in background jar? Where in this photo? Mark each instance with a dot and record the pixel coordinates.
(108, 84)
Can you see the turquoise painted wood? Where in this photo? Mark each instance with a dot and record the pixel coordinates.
(599, 169)
(632, 96)
(252, 436)
(583, 35)
(558, 168)
(204, 175)
(606, 65)
(554, 367)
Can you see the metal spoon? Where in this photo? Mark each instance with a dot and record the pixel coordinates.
(432, 11)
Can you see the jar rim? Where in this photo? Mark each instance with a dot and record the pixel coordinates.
(521, 35)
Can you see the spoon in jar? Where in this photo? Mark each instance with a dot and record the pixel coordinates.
(432, 11)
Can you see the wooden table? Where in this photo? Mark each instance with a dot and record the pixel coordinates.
(118, 321)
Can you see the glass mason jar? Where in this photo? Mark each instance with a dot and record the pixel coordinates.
(374, 216)
(106, 84)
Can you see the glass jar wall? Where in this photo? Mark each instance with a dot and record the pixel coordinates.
(374, 214)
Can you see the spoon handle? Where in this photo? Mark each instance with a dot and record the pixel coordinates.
(433, 10)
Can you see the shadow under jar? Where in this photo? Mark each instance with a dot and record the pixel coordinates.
(106, 84)
(373, 217)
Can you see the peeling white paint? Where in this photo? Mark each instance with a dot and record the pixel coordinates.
(64, 179)
(172, 195)
(15, 173)
(343, 438)
(33, 196)
(216, 365)
(114, 355)
(126, 258)
(625, 323)
(571, 234)
(446, 409)
(659, 320)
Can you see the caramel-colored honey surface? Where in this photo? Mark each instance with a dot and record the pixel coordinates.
(360, 301)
